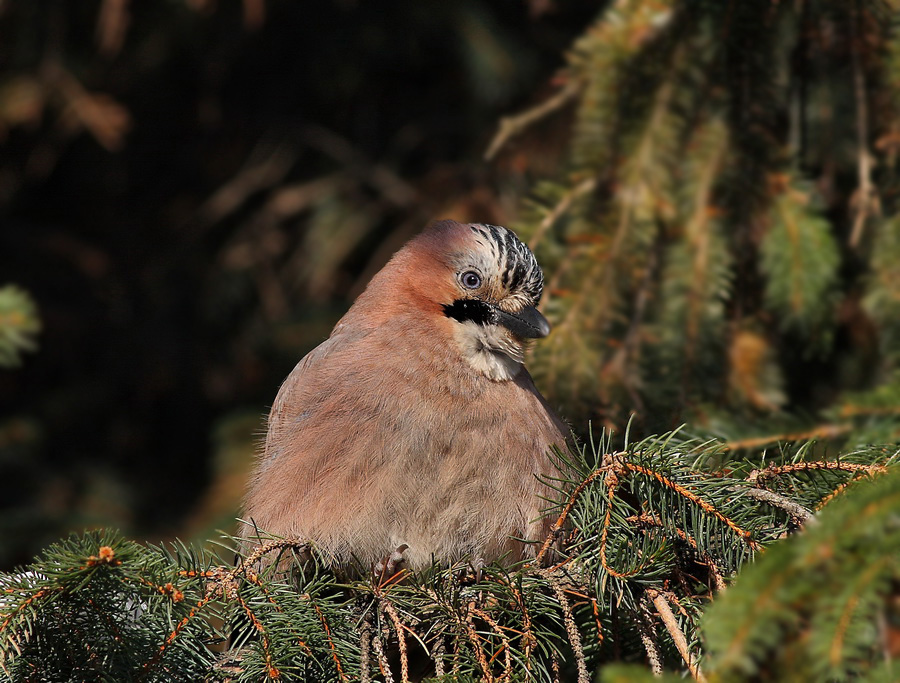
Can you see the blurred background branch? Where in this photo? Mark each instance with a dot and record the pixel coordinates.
(192, 192)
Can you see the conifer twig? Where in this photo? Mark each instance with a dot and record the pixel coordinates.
(511, 126)
(671, 624)
(795, 510)
(179, 627)
(571, 627)
(586, 186)
(437, 655)
(504, 641)
(704, 558)
(388, 607)
(554, 661)
(595, 609)
(472, 635)
(567, 508)
(30, 599)
(264, 549)
(865, 191)
(824, 431)
(265, 641)
(697, 500)
(757, 476)
(648, 639)
(840, 489)
(331, 646)
(528, 639)
(365, 650)
(383, 663)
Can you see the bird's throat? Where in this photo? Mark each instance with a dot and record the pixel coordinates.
(489, 350)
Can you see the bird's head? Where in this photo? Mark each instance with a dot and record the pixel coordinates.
(486, 283)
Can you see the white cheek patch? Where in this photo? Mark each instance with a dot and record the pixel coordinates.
(489, 350)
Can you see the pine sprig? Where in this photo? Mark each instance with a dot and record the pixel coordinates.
(811, 602)
(800, 260)
(644, 536)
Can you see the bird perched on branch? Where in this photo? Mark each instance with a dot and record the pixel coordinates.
(414, 429)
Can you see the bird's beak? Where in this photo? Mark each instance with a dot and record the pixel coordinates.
(528, 323)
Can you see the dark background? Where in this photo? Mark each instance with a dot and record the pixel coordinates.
(193, 192)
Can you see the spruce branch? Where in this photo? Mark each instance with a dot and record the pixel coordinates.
(657, 518)
(648, 638)
(823, 431)
(660, 601)
(512, 126)
(562, 206)
(795, 510)
(807, 605)
(383, 663)
(758, 476)
(865, 200)
(571, 628)
(400, 630)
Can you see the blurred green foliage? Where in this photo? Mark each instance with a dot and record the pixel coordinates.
(19, 324)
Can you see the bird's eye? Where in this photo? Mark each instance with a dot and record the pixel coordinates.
(470, 279)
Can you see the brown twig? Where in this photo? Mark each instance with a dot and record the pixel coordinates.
(595, 609)
(704, 558)
(671, 624)
(179, 627)
(504, 642)
(648, 639)
(840, 489)
(554, 663)
(708, 508)
(564, 514)
(383, 662)
(866, 201)
(571, 628)
(437, 655)
(586, 186)
(388, 607)
(757, 476)
(331, 646)
(528, 639)
(612, 483)
(613, 477)
(472, 635)
(32, 598)
(378, 176)
(267, 167)
(265, 549)
(511, 126)
(265, 641)
(252, 578)
(850, 410)
(112, 26)
(826, 431)
(800, 514)
(365, 650)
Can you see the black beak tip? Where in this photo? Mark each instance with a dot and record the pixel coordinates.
(528, 323)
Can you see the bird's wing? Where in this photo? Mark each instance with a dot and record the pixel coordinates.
(294, 386)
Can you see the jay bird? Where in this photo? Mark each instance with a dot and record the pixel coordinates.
(415, 428)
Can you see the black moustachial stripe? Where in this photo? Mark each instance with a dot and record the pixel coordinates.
(472, 310)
